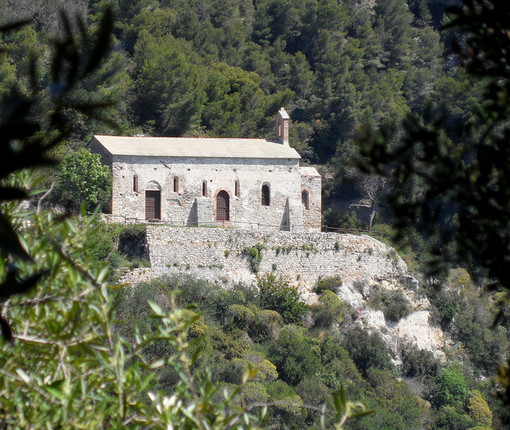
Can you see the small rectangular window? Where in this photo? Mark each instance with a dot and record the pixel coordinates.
(176, 184)
(135, 183)
(266, 197)
(236, 188)
(204, 188)
(305, 199)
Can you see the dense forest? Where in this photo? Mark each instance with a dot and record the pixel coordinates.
(223, 68)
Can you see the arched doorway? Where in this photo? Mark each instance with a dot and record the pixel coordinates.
(222, 206)
(152, 204)
(153, 201)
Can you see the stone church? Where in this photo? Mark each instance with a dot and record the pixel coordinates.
(244, 183)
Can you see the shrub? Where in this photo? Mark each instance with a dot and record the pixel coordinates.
(254, 392)
(288, 413)
(82, 178)
(295, 355)
(366, 350)
(449, 418)
(418, 362)
(313, 391)
(340, 369)
(394, 305)
(479, 410)
(329, 310)
(266, 325)
(133, 241)
(331, 283)
(243, 316)
(450, 387)
(278, 295)
(447, 305)
(255, 256)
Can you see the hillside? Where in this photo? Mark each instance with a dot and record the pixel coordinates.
(387, 322)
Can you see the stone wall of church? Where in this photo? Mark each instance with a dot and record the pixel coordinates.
(189, 190)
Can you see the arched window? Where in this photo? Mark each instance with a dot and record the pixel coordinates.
(266, 198)
(176, 184)
(305, 199)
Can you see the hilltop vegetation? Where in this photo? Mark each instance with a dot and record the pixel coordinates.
(223, 68)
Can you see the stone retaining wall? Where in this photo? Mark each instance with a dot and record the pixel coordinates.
(219, 255)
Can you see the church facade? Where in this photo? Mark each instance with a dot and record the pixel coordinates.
(244, 183)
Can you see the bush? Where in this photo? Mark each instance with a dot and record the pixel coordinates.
(449, 418)
(254, 392)
(266, 325)
(447, 304)
(450, 387)
(418, 362)
(331, 283)
(478, 409)
(254, 254)
(367, 350)
(288, 412)
(329, 310)
(278, 295)
(133, 241)
(243, 316)
(295, 355)
(393, 304)
(82, 178)
(340, 369)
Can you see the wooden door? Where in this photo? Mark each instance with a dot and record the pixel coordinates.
(152, 204)
(222, 206)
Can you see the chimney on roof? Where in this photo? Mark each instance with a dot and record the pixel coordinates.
(282, 123)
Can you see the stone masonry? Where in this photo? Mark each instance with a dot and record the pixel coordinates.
(218, 255)
(244, 183)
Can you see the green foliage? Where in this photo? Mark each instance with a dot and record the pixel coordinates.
(83, 179)
(295, 355)
(68, 323)
(447, 304)
(398, 408)
(340, 220)
(132, 241)
(27, 139)
(331, 283)
(479, 410)
(276, 294)
(366, 350)
(289, 404)
(418, 362)
(329, 310)
(451, 418)
(393, 304)
(255, 256)
(450, 387)
(465, 216)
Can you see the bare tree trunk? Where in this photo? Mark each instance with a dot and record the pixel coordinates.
(373, 211)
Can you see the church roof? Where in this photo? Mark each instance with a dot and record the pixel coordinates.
(195, 147)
